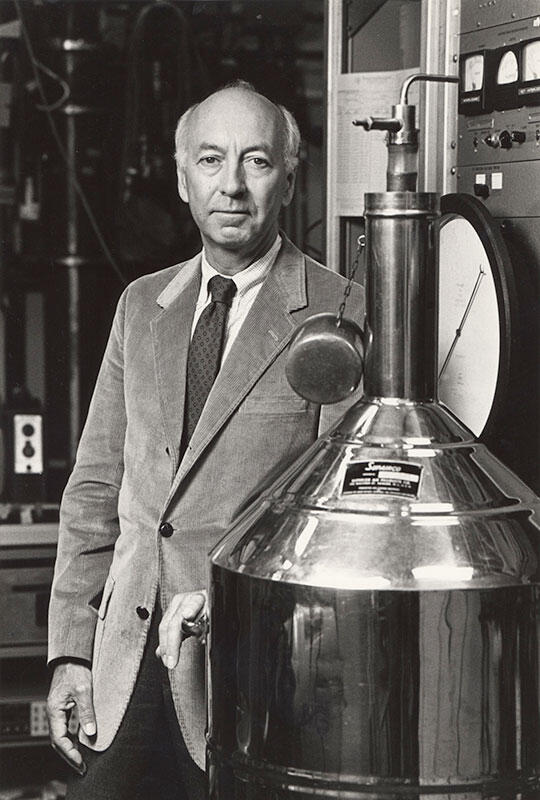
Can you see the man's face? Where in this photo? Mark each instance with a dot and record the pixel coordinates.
(235, 179)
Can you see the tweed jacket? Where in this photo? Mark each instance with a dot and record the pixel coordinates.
(128, 478)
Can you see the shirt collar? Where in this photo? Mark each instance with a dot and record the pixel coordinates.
(246, 278)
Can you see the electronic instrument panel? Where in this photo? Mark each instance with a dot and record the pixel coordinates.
(503, 78)
(498, 161)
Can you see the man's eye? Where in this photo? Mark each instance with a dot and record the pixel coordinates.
(208, 160)
(260, 162)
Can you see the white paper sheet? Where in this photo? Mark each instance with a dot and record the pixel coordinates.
(361, 156)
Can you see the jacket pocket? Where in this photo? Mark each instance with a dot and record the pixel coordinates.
(107, 592)
(102, 613)
(277, 405)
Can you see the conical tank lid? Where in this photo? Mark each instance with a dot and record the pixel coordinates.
(399, 495)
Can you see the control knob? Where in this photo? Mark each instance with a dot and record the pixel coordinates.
(505, 140)
(492, 140)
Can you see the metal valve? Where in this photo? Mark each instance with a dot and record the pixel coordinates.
(402, 172)
(197, 627)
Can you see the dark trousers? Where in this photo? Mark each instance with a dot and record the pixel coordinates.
(148, 759)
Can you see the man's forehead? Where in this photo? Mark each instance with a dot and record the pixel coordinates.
(235, 113)
(235, 95)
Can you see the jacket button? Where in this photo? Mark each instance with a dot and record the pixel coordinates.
(142, 612)
(166, 529)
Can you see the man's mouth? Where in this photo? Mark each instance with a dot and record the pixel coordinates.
(231, 211)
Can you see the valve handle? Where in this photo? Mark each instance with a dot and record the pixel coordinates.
(196, 627)
(379, 124)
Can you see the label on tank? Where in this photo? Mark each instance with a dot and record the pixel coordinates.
(382, 477)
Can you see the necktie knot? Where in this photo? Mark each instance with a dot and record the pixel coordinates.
(222, 289)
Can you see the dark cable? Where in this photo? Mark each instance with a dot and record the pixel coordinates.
(65, 88)
(65, 158)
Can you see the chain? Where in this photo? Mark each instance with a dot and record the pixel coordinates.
(361, 243)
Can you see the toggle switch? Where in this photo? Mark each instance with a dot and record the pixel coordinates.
(28, 450)
(519, 136)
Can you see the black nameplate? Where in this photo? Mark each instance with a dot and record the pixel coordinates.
(382, 477)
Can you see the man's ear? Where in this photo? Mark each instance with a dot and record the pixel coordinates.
(182, 185)
(289, 188)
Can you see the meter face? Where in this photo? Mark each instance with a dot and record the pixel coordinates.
(508, 68)
(474, 72)
(531, 61)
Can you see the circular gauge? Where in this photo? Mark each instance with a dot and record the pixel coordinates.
(476, 295)
(507, 71)
(531, 61)
(473, 73)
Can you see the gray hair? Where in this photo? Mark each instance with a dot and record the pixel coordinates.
(289, 130)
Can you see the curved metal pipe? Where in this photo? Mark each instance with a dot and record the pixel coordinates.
(422, 76)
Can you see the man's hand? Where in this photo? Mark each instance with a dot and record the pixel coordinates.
(71, 686)
(183, 607)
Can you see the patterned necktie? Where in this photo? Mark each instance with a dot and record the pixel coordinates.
(205, 350)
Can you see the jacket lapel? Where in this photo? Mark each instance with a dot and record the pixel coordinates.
(267, 329)
(171, 331)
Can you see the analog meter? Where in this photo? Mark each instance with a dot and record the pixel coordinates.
(473, 73)
(506, 77)
(486, 341)
(507, 71)
(470, 334)
(529, 88)
(531, 61)
(472, 95)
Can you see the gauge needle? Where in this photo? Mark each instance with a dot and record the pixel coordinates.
(466, 313)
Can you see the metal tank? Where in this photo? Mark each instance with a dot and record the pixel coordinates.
(374, 617)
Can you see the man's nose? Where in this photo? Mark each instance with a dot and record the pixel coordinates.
(233, 180)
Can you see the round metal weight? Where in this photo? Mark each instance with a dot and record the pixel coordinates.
(325, 359)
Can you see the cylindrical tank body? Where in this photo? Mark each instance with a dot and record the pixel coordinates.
(401, 281)
(375, 695)
(375, 616)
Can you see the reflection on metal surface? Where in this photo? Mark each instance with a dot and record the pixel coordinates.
(443, 572)
(361, 694)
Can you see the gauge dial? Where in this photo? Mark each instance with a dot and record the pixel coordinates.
(507, 71)
(531, 61)
(469, 338)
(474, 73)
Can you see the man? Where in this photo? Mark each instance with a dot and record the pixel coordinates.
(169, 457)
